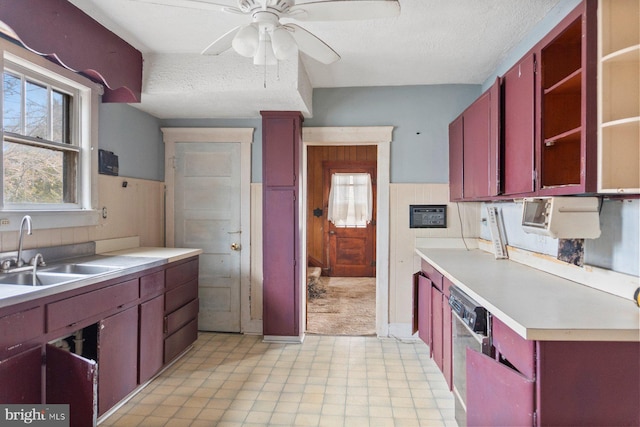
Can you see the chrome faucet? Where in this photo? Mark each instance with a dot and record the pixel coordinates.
(25, 220)
(35, 263)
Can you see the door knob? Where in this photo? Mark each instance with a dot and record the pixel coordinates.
(235, 246)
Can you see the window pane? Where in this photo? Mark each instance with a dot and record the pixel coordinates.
(60, 117)
(34, 174)
(12, 103)
(37, 111)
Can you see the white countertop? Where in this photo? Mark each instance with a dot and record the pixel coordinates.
(130, 260)
(535, 304)
(170, 254)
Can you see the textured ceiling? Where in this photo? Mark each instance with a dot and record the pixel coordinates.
(431, 42)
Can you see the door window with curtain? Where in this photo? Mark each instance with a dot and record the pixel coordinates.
(350, 200)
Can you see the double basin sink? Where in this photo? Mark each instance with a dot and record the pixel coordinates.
(55, 274)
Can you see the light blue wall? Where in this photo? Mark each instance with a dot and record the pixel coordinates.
(420, 115)
(135, 137)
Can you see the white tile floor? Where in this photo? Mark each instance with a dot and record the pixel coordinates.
(237, 380)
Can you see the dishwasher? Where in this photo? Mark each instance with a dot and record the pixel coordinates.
(471, 328)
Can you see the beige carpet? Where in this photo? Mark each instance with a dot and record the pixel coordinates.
(342, 306)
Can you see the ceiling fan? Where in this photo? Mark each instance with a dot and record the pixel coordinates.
(267, 40)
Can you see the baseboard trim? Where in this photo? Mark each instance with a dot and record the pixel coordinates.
(283, 339)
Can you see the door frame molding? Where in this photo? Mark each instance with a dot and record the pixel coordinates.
(243, 136)
(380, 136)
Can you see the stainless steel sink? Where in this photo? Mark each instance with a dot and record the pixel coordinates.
(25, 278)
(82, 269)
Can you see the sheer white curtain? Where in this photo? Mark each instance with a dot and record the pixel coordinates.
(350, 199)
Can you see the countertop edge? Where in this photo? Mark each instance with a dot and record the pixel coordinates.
(533, 333)
(153, 257)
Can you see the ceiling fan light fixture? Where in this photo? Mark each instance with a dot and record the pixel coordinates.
(265, 55)
(283, 43)
(246, 42)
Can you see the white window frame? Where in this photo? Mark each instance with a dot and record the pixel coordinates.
(84, 119)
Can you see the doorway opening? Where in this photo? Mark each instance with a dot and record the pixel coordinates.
(341, 240)
(380, 137)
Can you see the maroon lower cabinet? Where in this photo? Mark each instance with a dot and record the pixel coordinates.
(117, 358)
(181, 307)
(447, 334)
(26, 386)
(151, 338)
(588, 383)
(280, 292)
(73, 380)
(496, 394)
(553, 383)
(424, 309)
(437, 327)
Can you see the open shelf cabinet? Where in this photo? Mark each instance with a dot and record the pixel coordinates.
(619, 96)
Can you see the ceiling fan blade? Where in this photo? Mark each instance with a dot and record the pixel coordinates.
(312, 45)
(194, 4)
(222, 43)
(344, 10)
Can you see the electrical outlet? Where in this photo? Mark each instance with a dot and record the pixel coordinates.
(104, 212)
(4, 221)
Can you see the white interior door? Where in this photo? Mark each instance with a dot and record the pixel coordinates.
(207, 216)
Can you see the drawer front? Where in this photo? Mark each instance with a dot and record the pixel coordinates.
(180, 340)
(178, 297)
(434, 275)
(518, 351)
(181, 274)
(19, 328)
(182, 316)
(73, 310)
(151, 285)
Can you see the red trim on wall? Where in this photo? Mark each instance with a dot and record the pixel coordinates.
(64, 34)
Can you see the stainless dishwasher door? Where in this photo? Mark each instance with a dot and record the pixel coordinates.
(464, 337)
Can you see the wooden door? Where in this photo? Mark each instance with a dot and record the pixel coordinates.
(73, 380)
(351, 250)
(207, 216)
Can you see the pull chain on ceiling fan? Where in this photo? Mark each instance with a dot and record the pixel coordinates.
(267, 41)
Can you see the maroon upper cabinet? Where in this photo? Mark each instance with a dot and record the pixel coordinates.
(456, 168)
(474, 149)
(281, 171)
(481, 142)
(534, 133)
(566, 130)
(518, 86)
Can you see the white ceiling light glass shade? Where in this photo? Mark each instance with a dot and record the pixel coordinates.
(246, 42)
(265, 55)
(284, 46)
